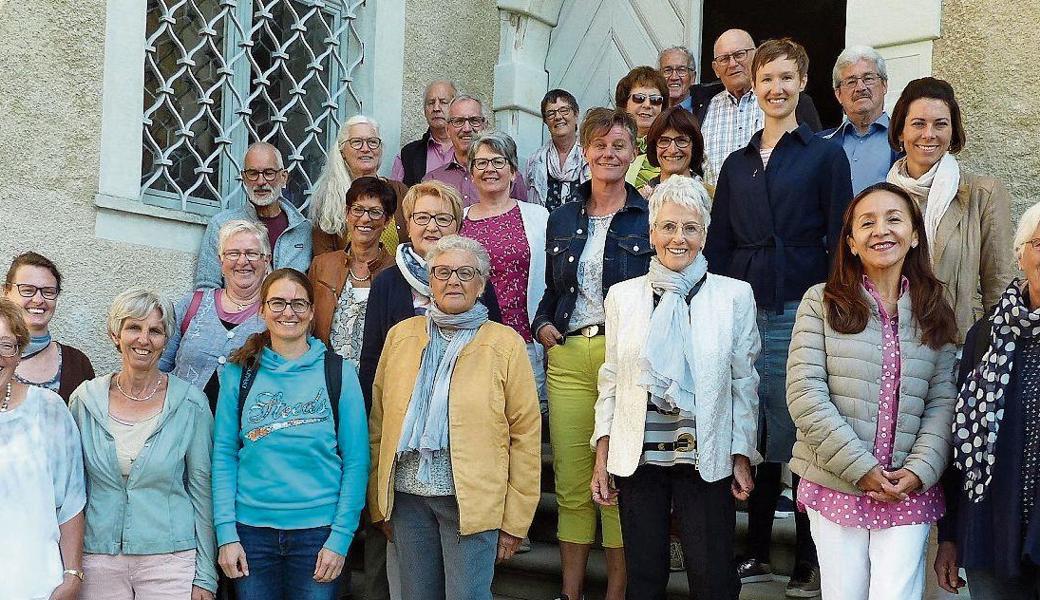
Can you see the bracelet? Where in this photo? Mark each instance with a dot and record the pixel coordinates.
(74, 572)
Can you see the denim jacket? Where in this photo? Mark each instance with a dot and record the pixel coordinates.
(626, 254)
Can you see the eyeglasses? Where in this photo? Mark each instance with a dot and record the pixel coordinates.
(254, 174)
(373, 213)
(8, 349)
(680, 71)
(444, 272)
(373, 143)
(655, 99)
(738, 56)
(680, 142)
(298, 306)
(460, 122)
(481, 164)
(28, 291)
(689, 230)
(563, 111)
(1034, 243)
(868, 79)
(250, 255)
(441, 219)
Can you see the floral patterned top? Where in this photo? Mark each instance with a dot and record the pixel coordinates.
(864, 512)
(504, 238)
(348, 323)
(588, 307)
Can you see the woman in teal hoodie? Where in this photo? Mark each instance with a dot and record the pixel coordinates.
(146, 448)
(289, 472)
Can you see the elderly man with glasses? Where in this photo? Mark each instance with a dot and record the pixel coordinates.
(679, 69)
(465, 122)
(860, 84)
(434, 148)
(728, 111)
(263, 177)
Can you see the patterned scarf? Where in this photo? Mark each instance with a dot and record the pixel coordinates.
(980, 402)
(413, 268)
(546, 163)
(667, 371)
(425, 428)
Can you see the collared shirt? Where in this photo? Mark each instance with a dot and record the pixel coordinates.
(870, 156)
(728, 125)
(437, 155)
(687, 103)
(457, 176)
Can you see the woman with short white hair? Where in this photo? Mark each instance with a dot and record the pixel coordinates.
(147, 438)
(677, 414)
(360, 154)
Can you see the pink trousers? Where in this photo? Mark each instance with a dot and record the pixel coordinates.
(123, 577)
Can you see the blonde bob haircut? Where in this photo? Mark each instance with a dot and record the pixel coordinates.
(446, 193)
(1026, 228)
(684, 191)
(15, 318)
(243, 226)
(138, 303)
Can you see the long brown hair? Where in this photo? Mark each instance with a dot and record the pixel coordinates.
(847, 307)
(249, 353)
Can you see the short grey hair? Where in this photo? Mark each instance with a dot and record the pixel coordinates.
(464, 244)
(497, 141)
(1027, 225)
(854, 54)
(265, 146)
(467, 97)
(684, 191)
(690, 60)
(138, 303)
(426, 90)
(243, 226)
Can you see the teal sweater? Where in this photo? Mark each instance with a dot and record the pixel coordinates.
(278, 464)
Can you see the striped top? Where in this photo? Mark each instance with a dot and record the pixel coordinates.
(669, 438)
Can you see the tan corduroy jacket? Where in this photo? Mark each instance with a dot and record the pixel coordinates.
(972, 248)
(833, 383)
(494, 425)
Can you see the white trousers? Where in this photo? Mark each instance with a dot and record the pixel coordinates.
(869, 564)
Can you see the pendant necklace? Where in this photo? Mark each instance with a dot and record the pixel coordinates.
(135, 398)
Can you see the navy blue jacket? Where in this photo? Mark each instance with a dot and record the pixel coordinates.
(389, 303)
(776, 227)
(626, 253)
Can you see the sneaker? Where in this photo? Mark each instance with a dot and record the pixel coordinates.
(525, 546)
(754, 571)
(675, 556)
(805, 582)
(784, 508)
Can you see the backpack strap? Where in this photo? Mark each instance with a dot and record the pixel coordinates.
(334, 384)
(246, 382)
(193, 307)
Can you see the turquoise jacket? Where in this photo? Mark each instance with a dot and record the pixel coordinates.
(165, 504)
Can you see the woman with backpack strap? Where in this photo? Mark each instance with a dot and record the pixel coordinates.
(289, 472)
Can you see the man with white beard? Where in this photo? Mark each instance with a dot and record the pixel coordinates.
(263, 176)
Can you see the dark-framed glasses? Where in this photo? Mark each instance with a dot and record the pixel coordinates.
(8, 348)
(655, 99)
(373, 213)
(298, 306)
(444, 272)
(563, 111)
(373, 143)
(689, 230)
(474, 122)
(681, 71)
(250, 255)
(481, 164)
(442, 219)
(26, 290)
(738, 56)
(868, 79)
(255, 174)
(680, 141)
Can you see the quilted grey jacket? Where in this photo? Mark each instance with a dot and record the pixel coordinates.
(833, 381)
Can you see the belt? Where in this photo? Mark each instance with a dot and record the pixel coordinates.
(589, 331)
(685, 443)
(780, 262)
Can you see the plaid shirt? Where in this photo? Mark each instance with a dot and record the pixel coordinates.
(728, 125)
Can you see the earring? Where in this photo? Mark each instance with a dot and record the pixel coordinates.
(913, 244)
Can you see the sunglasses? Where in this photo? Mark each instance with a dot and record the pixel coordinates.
(655, 99)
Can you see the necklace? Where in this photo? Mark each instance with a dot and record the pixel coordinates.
(241, 307)
(359, 279)
(135, 398)
(354, 258)
(7, 399)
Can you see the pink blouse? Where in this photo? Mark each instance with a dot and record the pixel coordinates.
(864, 512)
(504, 238)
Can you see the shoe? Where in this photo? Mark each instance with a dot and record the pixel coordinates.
(805, 582)
(675, 556)
(525, 546)
(754, 571)
(784, 508)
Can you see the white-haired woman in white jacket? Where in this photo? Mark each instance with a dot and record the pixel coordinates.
(677, 414)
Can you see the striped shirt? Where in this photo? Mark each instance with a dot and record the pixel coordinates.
(728, 125)
(676, 431)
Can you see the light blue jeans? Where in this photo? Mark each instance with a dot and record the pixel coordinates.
(435, 561)
(536, 354)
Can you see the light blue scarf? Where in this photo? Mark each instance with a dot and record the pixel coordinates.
(37, 344)
(425, 428)
(668, 370)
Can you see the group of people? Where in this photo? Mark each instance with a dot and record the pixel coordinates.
(695, 288)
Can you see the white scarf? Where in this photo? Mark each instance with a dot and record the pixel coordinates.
(572, 173)
(937, 188)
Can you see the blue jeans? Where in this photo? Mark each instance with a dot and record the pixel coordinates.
(774, 418)
(436, 562)
(281, 564)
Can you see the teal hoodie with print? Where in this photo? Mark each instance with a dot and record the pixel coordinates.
(279, 464)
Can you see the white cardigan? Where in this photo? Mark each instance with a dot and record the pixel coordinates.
(726, 342)
(535, 219)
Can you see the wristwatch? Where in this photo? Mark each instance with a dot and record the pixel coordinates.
(75, 572)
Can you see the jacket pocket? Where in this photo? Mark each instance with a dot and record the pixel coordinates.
(634, 259)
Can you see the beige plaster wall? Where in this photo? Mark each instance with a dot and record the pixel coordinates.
(985, 52)
(455, 40)
(51, 57)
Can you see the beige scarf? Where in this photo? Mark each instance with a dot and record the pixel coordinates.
(936, 190)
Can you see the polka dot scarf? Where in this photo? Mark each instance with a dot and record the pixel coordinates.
(980, 403)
